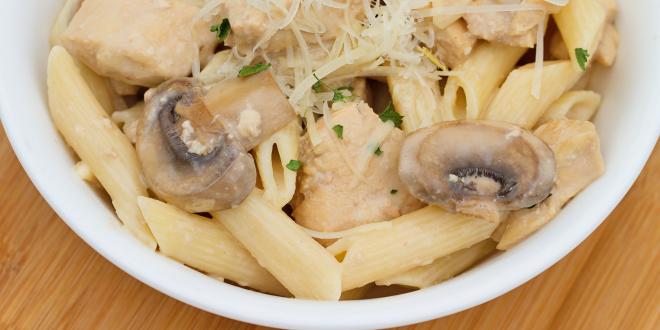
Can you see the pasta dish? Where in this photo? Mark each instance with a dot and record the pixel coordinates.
(319, 149)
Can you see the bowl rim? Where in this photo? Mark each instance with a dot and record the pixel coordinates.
(280, 312)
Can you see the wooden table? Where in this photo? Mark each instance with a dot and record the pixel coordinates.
(50, 278)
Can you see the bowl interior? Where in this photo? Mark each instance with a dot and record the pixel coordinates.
(629, 124)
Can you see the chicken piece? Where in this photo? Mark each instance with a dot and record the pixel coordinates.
(249, 24)
(343, 182)
(512, 28)
(454, 43)
(137, 42)
(579, 162)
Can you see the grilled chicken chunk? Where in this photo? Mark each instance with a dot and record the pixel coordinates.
(344, 181)
(137, 42)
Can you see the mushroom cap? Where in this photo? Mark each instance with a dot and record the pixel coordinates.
(216, 178)
(477, 167)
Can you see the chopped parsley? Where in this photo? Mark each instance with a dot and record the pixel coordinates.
(390, 115)
(222, 30)
(393, 192)
(249, 70)
(582, 57)
(294, 165)
(378, 151)
(337, 94)
(339, 130)
(317, 85)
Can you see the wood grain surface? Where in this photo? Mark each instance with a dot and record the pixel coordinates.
(49, 278)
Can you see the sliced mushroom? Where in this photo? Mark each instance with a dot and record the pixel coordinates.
(255, 105)
(190, 157)
(479, 168)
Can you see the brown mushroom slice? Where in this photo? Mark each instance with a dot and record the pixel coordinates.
(255, 105)
(189, 157)
(480, 168)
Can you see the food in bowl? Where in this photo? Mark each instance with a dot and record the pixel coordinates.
(315, 148)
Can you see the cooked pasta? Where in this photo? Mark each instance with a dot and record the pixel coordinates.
(467, 94)
(272, 156)
(206, 245)
(279, 245)
(99, 143)
(525, 110)
(442, 268)
(338, 146)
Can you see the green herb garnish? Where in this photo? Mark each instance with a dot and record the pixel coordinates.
(378, 151)
(390, 115)
(582, 57)
(317, 86)
(222, 30)
(249, 70)
(294, 165)
(337, 94)
(339, 130)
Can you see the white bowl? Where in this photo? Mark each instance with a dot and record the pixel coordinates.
(629, 125)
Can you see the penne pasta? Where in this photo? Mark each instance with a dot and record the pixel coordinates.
(213, 72)
(467, 94)
(101, 89)
(301, 264)
(417, 100)
(415, 239)
(272, 157)
(581, 24)
(576, 147)
(206, 245)
(514, 104)
(579, 105)
(87, 128)
(62, 21)
(443, 268)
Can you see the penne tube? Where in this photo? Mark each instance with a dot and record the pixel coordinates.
(418, 101)
(415, 239)
(213, 72)
(98, 142)
(443, 268)
(101, 89)
(272, 157)
(301, 264)
(206, 245)
(515, 104)
(581, 24)
(65, 15)
(467, 94)
(578, 105)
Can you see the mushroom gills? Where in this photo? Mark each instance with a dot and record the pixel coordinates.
(189, 157)
(480, 181)
(480, 168)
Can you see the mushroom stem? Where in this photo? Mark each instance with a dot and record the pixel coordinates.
(255, 106)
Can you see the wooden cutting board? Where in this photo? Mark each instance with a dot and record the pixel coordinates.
(49, 278)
